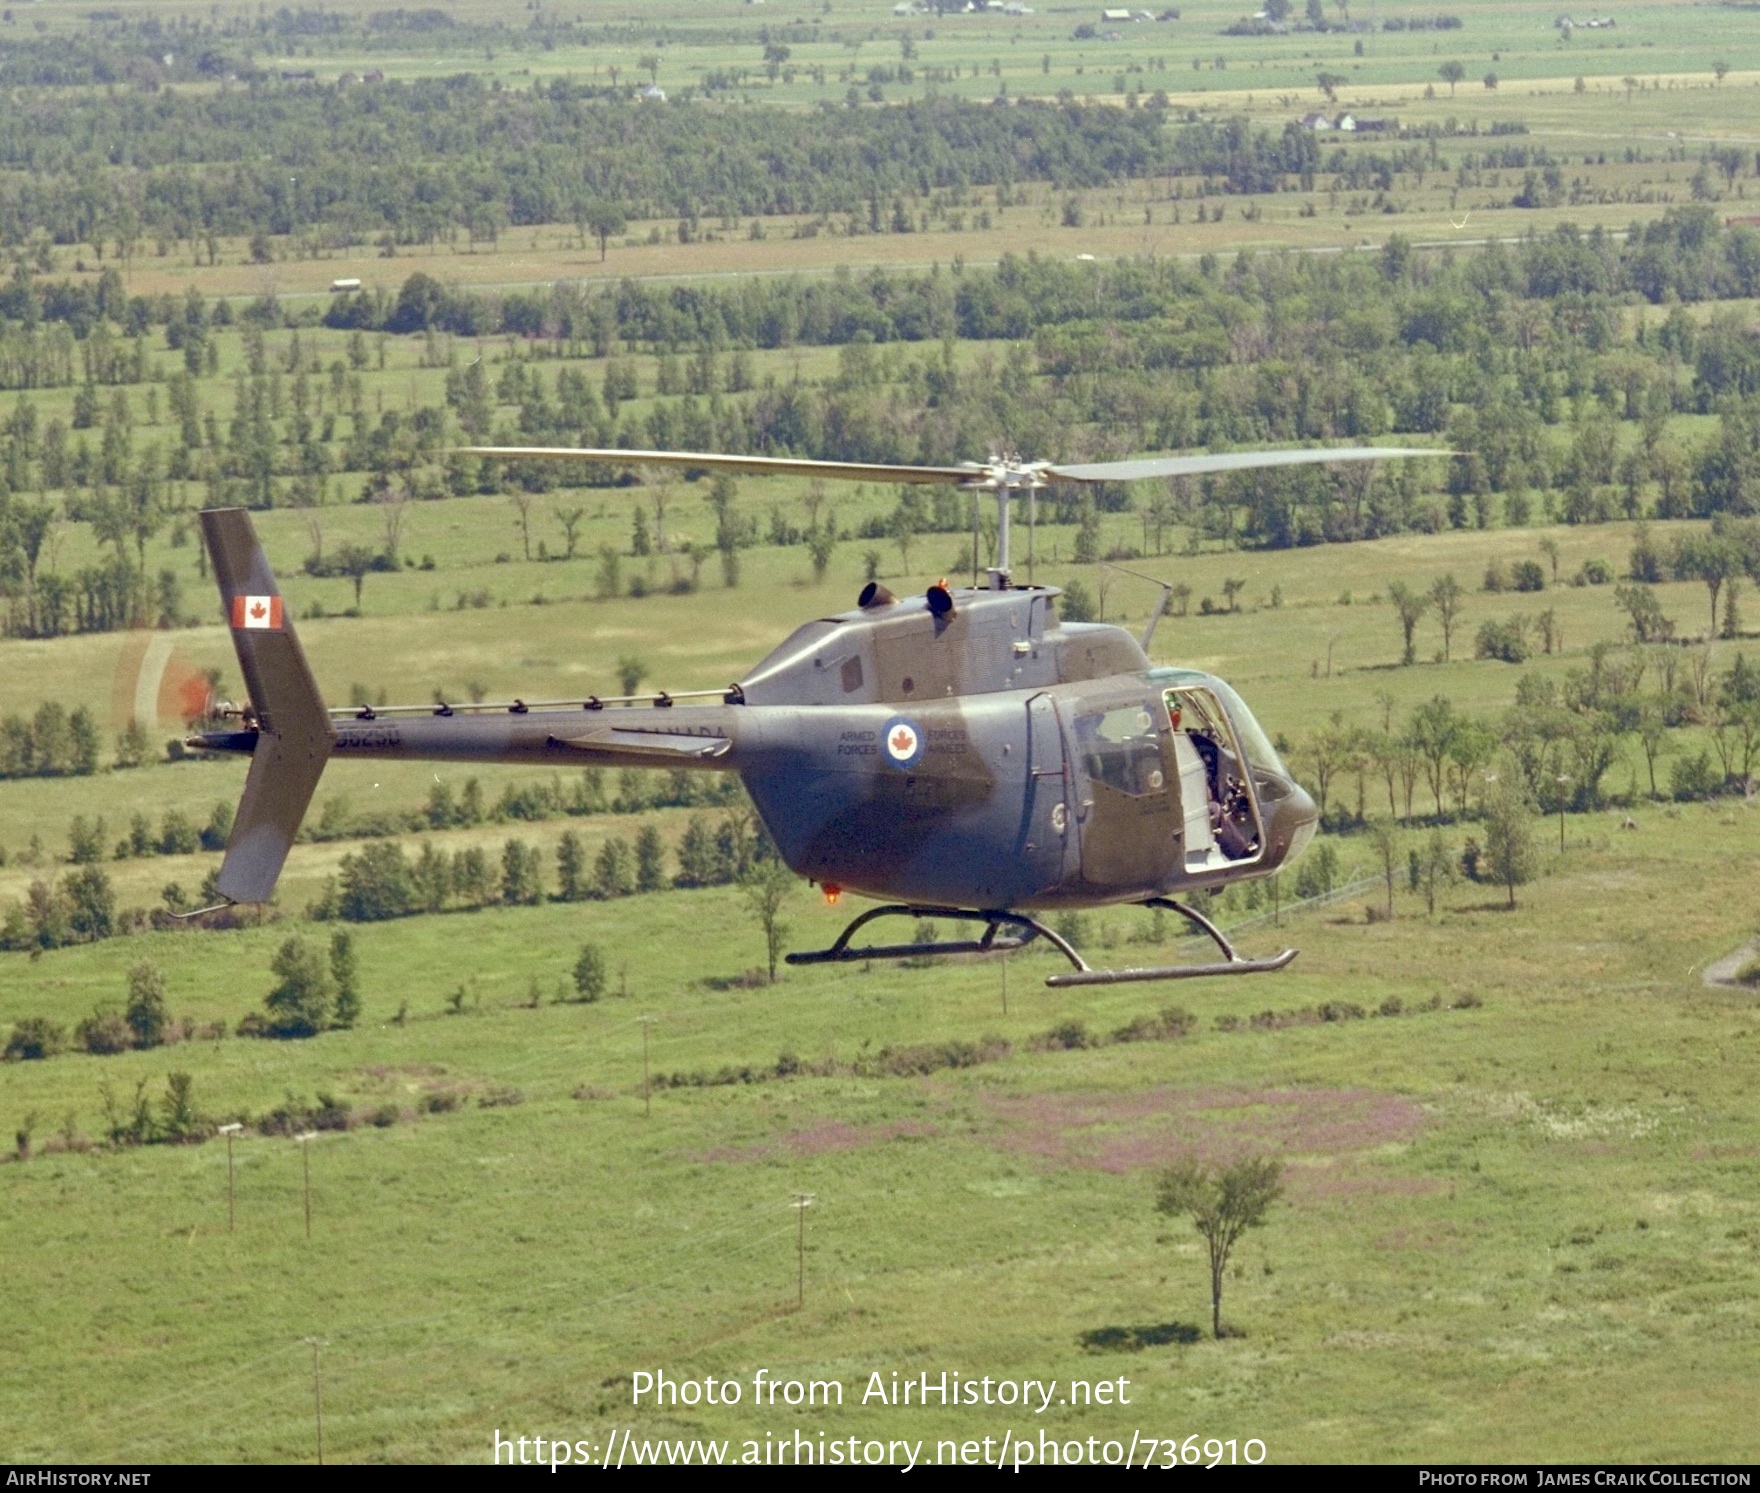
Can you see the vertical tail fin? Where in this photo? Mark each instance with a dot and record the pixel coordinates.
(294, 738)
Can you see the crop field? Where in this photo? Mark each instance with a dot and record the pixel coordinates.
(574, 1134)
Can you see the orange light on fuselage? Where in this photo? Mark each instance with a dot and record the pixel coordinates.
(832, 892)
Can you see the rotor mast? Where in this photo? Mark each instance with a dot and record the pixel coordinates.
(1005, 475)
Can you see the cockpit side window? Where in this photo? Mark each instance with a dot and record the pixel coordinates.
(1121, 748)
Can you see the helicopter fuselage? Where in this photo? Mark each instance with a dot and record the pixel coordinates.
(979, 753)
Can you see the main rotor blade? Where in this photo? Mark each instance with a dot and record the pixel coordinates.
(1227, 461)
(774, 466)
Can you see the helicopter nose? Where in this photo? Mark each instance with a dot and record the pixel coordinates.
(1294, 819)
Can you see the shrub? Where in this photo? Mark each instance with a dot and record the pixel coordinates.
(34, 1037)
(1073, 928)
(377, 883)
(177, 836)
(1068, 1035)
(1528, 575)
(1693, 777)
(145, 1013)
(1506, 640)
(219, 827)
(1318, 873)
(91, 904)
(1171, 1022)
(85, 840)
(103, 1033)
(179, 1119)
(589, 973)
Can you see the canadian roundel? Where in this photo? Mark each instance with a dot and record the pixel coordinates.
(903, 742)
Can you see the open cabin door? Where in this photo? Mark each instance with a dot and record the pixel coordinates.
(1221, 820)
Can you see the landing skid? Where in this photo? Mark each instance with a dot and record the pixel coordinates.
(995, 922)
(1004, 932)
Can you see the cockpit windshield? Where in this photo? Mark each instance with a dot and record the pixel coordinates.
(1254, 742)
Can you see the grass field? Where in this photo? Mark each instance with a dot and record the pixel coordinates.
(1517, 1230)
(1509, 1223)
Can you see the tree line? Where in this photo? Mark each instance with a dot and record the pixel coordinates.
(416, 160)
(1557, 743)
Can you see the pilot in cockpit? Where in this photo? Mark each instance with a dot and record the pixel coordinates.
(1219, 818)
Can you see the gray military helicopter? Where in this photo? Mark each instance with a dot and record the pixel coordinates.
(963, 754)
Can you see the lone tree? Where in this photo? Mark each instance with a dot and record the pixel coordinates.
(346, 976)
(356, 562)
(602, 220)
(1451, 73)
(1445, 597)
(300, 1003)
(1509, 839)
(1222, 1203)
(1410, 606)
(767, 885)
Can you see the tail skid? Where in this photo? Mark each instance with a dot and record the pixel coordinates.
(292, 728)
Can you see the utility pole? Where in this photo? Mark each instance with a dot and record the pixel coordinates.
(802, 1202)
(305, 1139)
(1005, 984)
(229, 1131)
(647, 1092)
(1563, 778)
(318, 1394)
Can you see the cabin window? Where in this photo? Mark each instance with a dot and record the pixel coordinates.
(1122, 749)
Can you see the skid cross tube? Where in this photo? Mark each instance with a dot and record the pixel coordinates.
(995, 920)
(1234, 964)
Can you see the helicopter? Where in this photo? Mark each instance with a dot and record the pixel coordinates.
(963, 754)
